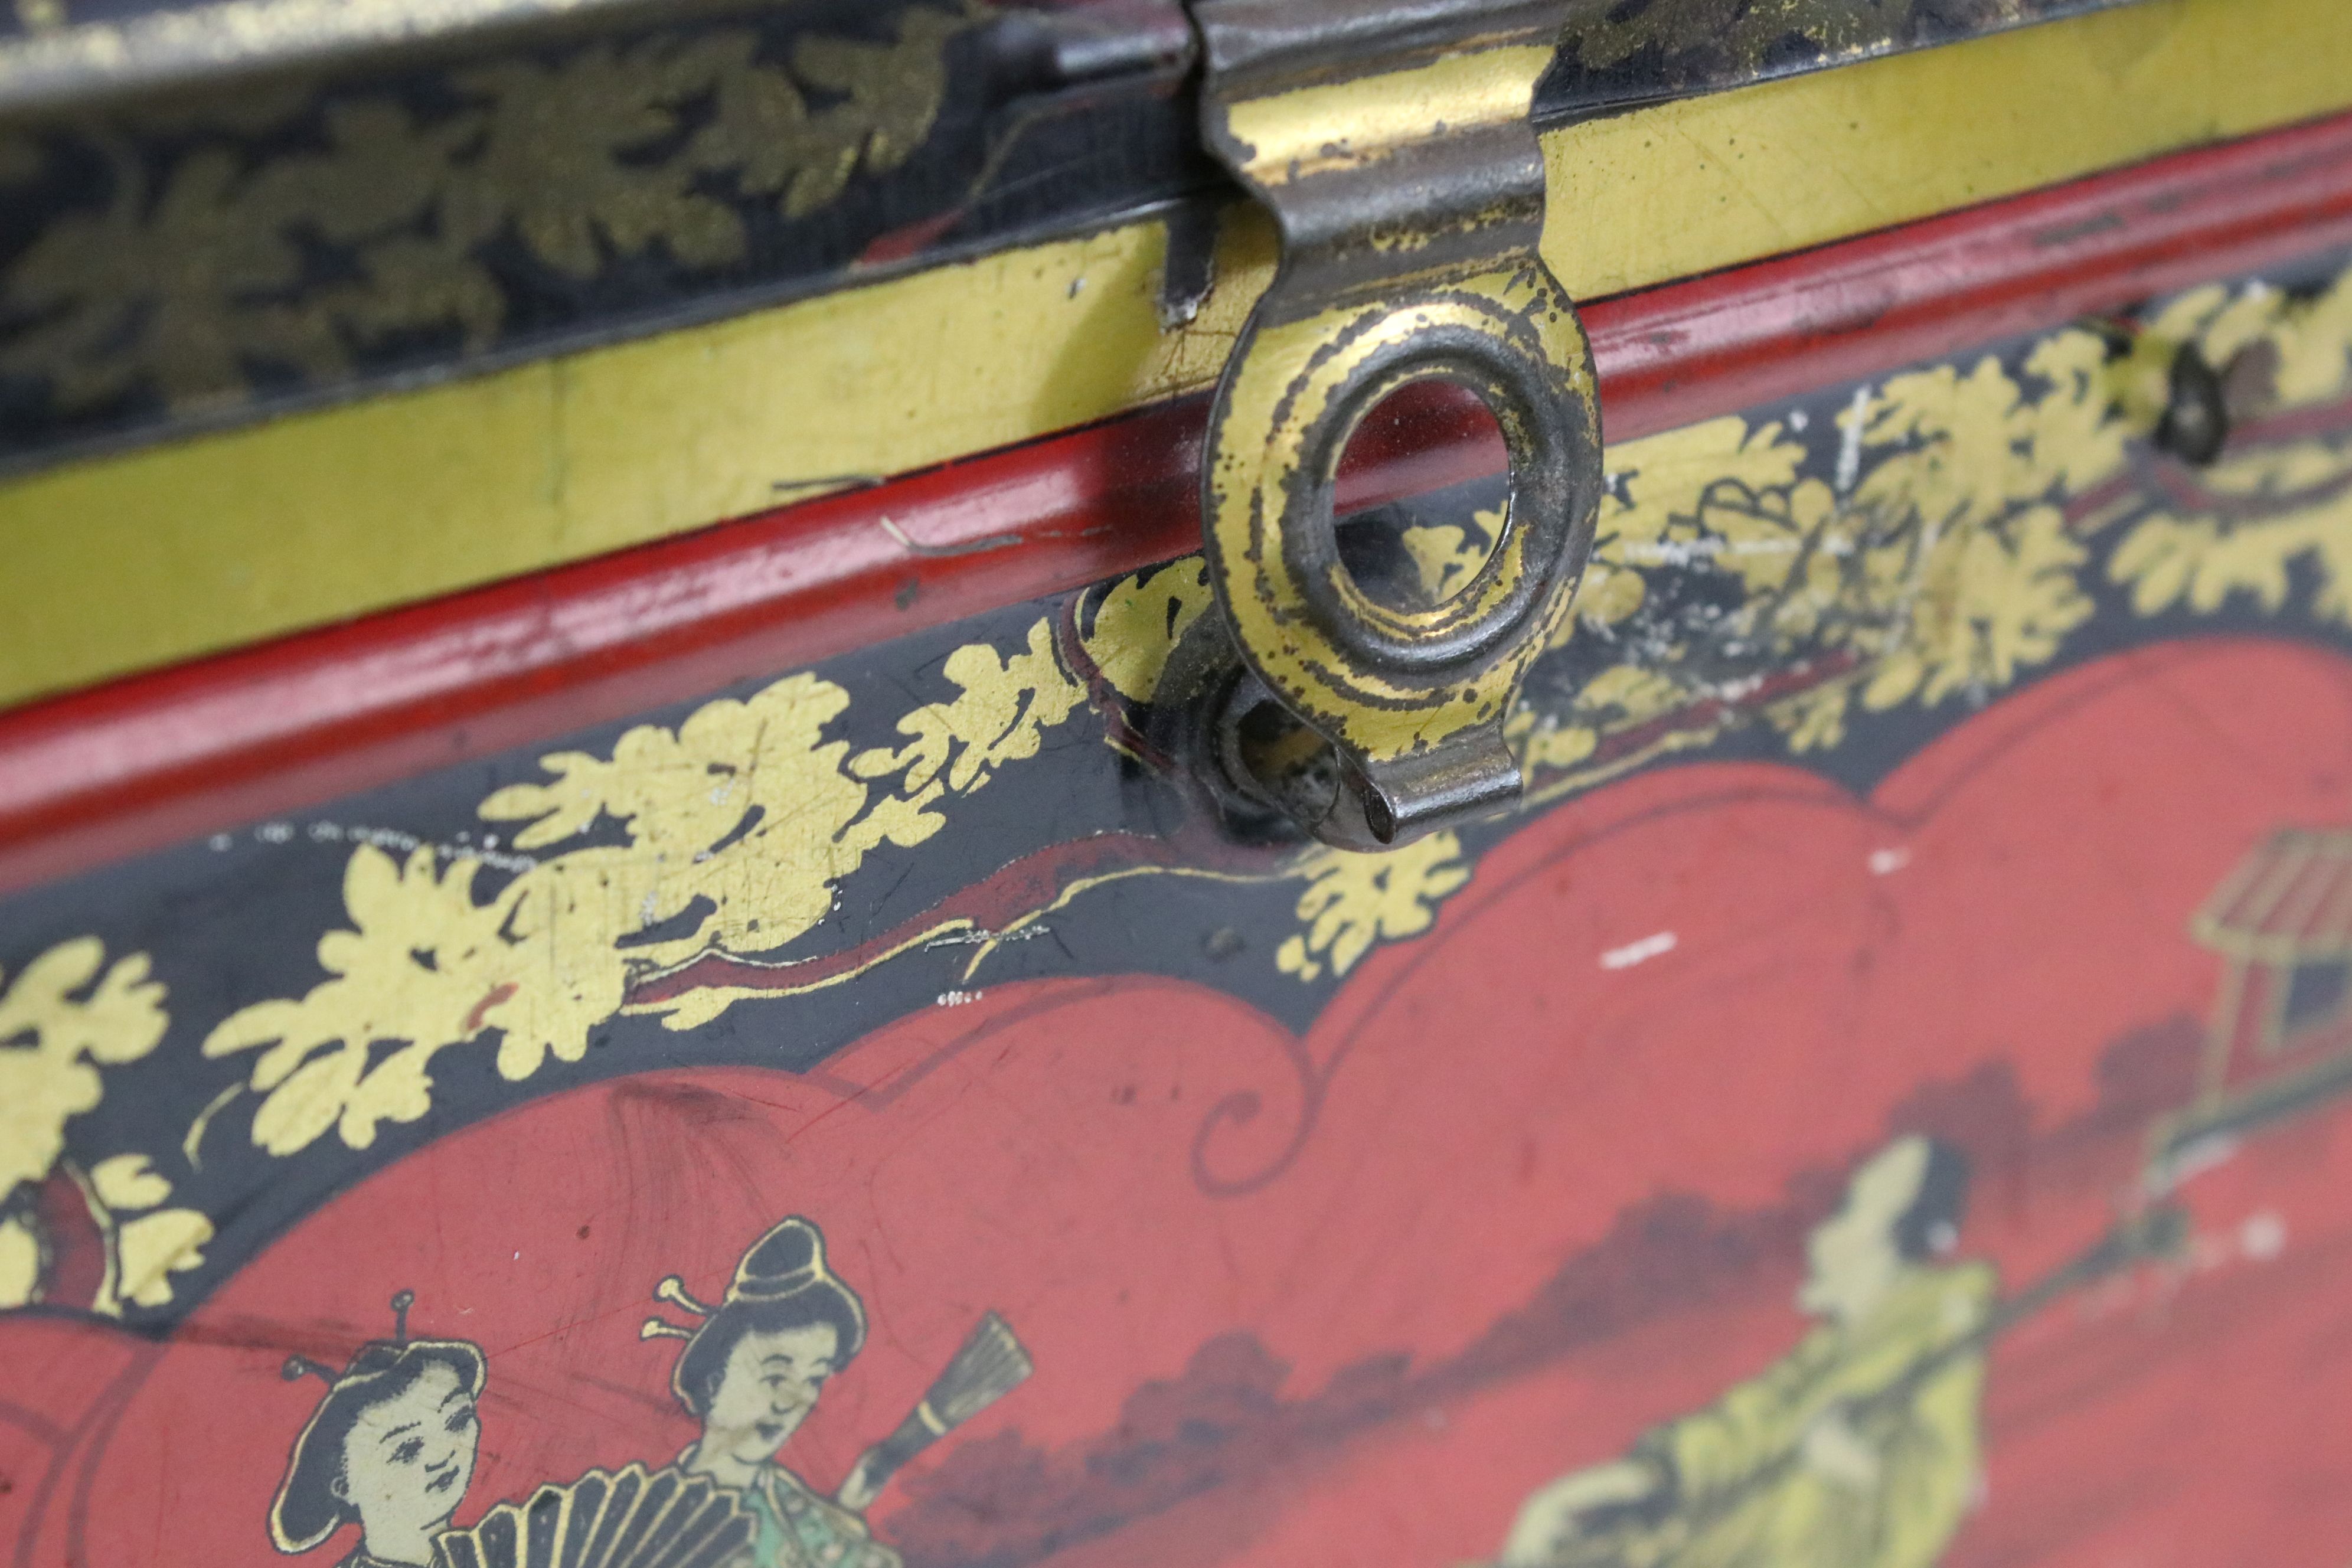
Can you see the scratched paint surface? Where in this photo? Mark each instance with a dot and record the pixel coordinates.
(1876, 1103)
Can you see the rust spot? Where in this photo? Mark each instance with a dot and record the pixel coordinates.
(498, 993)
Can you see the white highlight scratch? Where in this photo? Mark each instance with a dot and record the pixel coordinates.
(391, 839)
(1634, 953)
(2262, 1237)
(1848, 463)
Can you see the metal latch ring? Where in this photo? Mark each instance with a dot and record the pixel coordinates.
(1409, 187)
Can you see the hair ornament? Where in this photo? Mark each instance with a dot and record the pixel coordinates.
(297, 1367)
(782, 1264)
(673, 1290)
(308, 1509)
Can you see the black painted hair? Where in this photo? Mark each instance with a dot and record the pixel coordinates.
(781, 1283)
(703, 1363)
(307, 1510)
(1938, 1207)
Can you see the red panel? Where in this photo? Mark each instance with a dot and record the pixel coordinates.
(1358, 1325)
(110, 771)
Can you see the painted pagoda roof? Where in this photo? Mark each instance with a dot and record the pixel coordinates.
(2288, 901)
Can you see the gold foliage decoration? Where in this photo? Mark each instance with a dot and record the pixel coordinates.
(743, 811)
(1352, 900)
(64, 1017)
(1939, 562)
(1962, 537)
(1958, 537)
(885, 98)
(726, 834)
(1973, 509)
(423, 965)
(954, 747)
(1129, 628)
(1446, 556)
(1950, 549)
(1969, 518)
(2264, 508)
(148, 1242)
(193, 274)
(117, 306)
(552, 157)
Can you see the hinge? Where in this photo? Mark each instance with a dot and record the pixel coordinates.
(1392, 143)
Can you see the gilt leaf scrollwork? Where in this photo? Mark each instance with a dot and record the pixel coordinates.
(288, 243)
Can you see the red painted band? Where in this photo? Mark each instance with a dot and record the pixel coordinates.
(102, 774)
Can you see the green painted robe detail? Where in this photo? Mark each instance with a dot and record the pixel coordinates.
(799, 1529)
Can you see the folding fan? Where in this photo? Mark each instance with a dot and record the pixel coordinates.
(626, 1519)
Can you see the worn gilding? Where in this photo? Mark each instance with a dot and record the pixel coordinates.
(58, 53)
(128, 562)
(1409, 199)
(1297, 133)
(1617, 54)
(205, 261)
(1830, 585)
(1607, 1161)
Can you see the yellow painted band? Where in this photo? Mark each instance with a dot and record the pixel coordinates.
(128, 562)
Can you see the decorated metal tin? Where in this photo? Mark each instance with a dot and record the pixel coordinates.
(1877, 1102)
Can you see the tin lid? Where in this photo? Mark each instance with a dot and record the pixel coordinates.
(211, 210)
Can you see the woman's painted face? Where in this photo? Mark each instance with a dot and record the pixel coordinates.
(408, 1458)
(770, 1384)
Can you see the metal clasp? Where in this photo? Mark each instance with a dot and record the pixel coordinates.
(1392, 142)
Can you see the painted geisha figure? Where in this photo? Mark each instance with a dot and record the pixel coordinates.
(751, 1373)
(1857, 1449)
(390, 1449)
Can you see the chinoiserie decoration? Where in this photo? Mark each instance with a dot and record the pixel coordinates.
(390, 1449)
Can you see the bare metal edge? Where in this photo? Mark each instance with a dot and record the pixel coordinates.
(1551, 116)
(44, 70)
